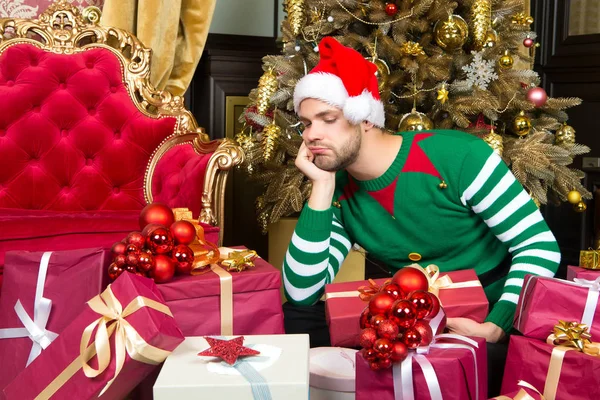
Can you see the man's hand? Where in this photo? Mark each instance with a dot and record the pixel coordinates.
(467, 327)
(323, 182)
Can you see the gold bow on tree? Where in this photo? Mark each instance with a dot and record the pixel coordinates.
(239, 260)
(573, 334)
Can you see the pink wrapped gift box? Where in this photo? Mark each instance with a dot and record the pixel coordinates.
(582, 273)
(72, 277)
(60, 365)
(195, 302)
(343, 306)
(529, 360)
(460, 375)
(544, 301)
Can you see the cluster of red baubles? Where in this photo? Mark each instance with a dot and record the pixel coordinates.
(159, 251)
(397, 319)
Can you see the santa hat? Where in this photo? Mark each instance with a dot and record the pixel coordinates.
(344, 79)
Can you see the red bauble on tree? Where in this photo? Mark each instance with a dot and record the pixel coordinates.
(145, 261)
(422, 302)
(118, 248)
(114, 271)
(381, 303)
(411, 338)
(184, 257)
(399, 352)
(537, 96)
(184, 232)
(411, 279)
(425, 331)
(159, 240)
(367, 338)
(156, 213)
(391, 9)
(164, 269)
(403, 314)
(528, 42)
(387, 329)
(137, 239)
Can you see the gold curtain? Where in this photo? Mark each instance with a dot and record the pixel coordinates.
(175, 30)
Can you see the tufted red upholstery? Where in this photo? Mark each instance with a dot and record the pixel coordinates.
(70, 136)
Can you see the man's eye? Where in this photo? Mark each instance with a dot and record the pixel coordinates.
(330, 121)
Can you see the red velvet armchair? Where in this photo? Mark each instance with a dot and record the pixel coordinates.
(86, 142)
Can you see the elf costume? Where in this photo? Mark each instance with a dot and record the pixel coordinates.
(447, 199)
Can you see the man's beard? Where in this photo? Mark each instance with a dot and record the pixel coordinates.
(342, 159)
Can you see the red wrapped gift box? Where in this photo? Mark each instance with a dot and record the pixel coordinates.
(135, 310)
(460, 375)
(195, 301)
(544, 301)
(343, 306)
(578, 377)
(582, 273)
(67, 278)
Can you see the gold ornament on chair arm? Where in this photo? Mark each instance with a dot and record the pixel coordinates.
(481, 22)
(267, 85)
(239, 260)
(296, 10)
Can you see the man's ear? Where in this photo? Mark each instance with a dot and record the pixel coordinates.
(366, 125)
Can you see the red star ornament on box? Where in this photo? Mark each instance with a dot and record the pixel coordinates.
(228, 350)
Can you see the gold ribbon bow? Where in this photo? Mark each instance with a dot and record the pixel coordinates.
(432, 272)
(365, 292)
(239, 260)
(112, 321)
(522, 394)
(589, 259)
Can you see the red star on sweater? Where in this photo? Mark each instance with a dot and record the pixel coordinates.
(228, 350)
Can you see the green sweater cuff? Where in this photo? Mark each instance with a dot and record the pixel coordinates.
(503, 315)
(314, 224)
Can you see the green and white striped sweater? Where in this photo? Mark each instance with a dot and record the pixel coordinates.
(475, 222)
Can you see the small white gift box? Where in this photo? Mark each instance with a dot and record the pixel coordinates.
(332, 373)
(280, 371)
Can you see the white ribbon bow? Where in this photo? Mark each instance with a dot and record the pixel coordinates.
(34, 328)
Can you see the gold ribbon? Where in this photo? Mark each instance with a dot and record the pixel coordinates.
(522, 394)
(567, 336)
(112, 321)
(589, 259)
(226, 299)
(205, 253)
(365, 292)
(339, 295)
(432, 272)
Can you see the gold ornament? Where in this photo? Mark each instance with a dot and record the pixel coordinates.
(522, 19)
(239, 260)
(481, 22)
(565, 135)
(443, 185)
(506, 61)
(442, 94)
(263, 221)
(494, 141)
(247, 143)
(267, 85)
(452, 33)
(270, 141)
(574, 197)
(521, 124)
(412, 49)
(415, 121)
(296, 10)
(383, 72)
(580, 207)
(491, 38)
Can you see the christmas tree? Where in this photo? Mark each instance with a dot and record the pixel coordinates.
(441, 65)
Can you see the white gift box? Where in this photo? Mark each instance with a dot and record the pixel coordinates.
(282, 365)
(332, 373)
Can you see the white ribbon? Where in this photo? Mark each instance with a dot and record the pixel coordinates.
(403, 373)
(590, 303)
(34, 328)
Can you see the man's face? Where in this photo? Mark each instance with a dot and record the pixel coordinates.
(334, 142)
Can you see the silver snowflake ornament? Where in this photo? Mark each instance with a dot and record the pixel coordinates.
(480, 72)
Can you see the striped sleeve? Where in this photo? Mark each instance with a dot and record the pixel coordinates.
(318, 247)
(492, 192)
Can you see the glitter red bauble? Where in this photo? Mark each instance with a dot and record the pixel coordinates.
(385, 363)
(537, 96)
(383, 347)
(391, 9)
(410, 279)
(118, 248)
(403, 313)
(369, 354)
(120, 260)
(183, 232)
(184, 257)
(156, 213)
(422, 302)
(136, 238)
(374, 365)
(133, 259)
(387, 329)
(425, 332)
(393, 290)
(367, 338)
(160, 241)
(365, 318)
(399, 352)
(376, 320)
(132, 248)
(114, 271)
(411, 338)
(145, 261)
(528, 42)
(164, 269)
(381, 303)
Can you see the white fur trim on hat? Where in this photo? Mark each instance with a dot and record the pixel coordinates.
(321, 86)
(364, 108)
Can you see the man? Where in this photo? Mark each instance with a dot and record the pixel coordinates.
(433, 197)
